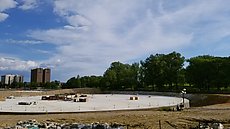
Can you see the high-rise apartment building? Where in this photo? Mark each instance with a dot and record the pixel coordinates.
(46, 75)
(40, 75)
(37, 75)
(10, 78)
(18, 78)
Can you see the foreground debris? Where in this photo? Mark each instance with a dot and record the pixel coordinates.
(210, 126)
(33, 124)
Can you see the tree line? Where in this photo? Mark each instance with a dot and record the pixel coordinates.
(162, 72)
(32, 85)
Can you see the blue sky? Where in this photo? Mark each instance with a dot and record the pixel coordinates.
(84, 36)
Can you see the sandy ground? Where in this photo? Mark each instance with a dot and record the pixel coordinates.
(142, 119)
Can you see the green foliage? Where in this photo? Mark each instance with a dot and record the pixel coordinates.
(162, 72)
(74, 82)
(81, 82)
(16, 85)
(205, 72)
(33, 85)
(51, 85)
(121, 76)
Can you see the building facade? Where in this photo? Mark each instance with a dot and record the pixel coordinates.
(40, 75)
(10, 78)
(46, 75)
(37, 75)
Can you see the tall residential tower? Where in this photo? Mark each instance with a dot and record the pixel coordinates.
(10, 78)
(40, 75)
(46, 75)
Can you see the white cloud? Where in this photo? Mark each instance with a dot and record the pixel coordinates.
(101, 31)
(3, 16)
(4, 5)
(28, 4)
(17, 64)
(7, 4)
(23, 41)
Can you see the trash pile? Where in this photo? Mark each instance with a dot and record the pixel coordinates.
(33, 124)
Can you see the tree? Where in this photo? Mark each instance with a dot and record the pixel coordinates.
(199, 71)
(90, 81)
(173, 68)
(51, 85)
(94, 81)
(160, 70)
(134, 79)
(77, 82)
(71, 83)
(205, 72)
(153, 68)
(121, 76)
(33, 85)
(110, 79)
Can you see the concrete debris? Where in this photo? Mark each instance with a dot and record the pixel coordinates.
(211, 126)
(10, 97)
(33, 124)
(66, 97)
(27, 103)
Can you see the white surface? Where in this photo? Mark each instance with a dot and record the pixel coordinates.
(98, 102)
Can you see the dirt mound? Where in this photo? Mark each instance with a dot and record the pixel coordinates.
(197, 100)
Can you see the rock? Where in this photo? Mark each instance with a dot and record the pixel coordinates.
(33, 124)
(74, 126)
(20, 122)
(217, 126)
(42, 125)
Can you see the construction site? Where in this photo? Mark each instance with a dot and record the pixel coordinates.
(66, 103)
(131, 109)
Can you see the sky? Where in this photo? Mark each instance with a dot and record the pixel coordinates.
(83, 37)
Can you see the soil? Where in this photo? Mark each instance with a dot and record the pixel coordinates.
(140, 119)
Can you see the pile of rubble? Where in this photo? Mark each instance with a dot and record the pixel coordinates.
(67, 97)
(33, 124)
(210, 126)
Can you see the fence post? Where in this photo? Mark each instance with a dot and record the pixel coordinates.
(159, 124)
